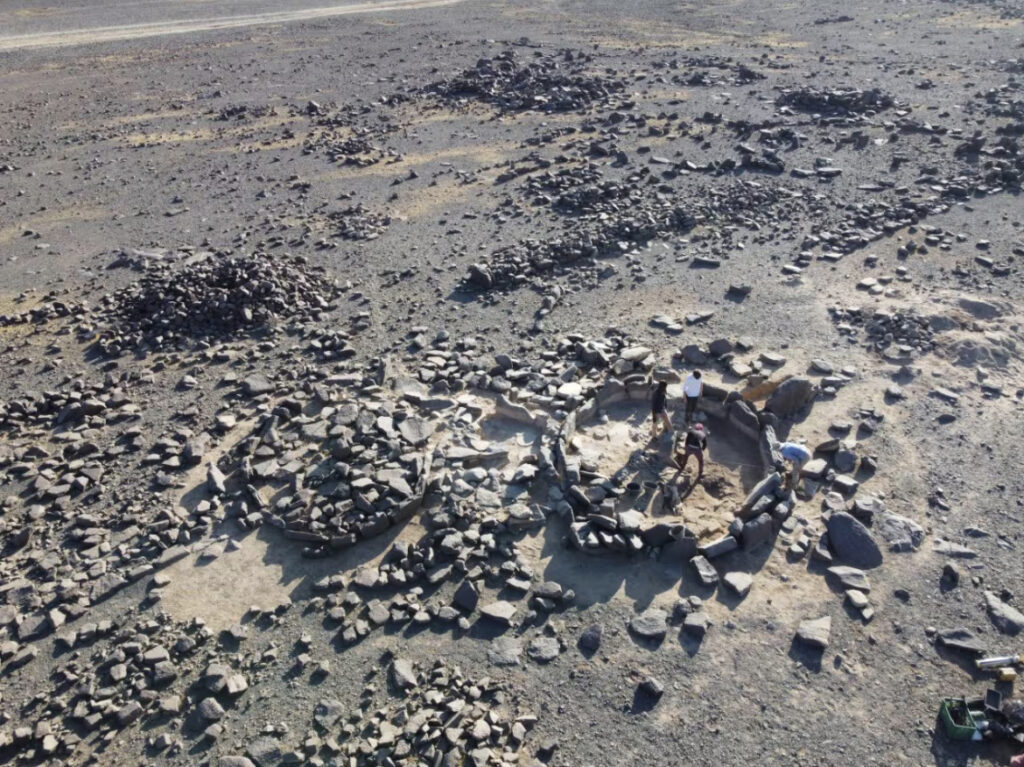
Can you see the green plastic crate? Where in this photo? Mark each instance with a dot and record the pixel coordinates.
(958, 720)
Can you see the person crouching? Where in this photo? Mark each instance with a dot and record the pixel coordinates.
(694, 443)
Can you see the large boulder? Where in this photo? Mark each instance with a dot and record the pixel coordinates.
(851, 542)
(791, 397)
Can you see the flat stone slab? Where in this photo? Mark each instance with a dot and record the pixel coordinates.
(697, 623)
(571, 389)
(505, 651)
(851, 578)
(652, 624)
(816, 468)
(706, 572)
(961, 639)
(738, 582)
(951, 549)
(815, 632)
(416, 430)
(544, 649)
(1005, 617)
(900, 533)
(857, 598)
(500, 612)
(255, 385)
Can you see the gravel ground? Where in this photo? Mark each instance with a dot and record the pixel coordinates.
(397, 201)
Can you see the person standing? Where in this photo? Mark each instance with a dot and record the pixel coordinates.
(797, 455)
(659, 410)
(693, 388)
(694, 443)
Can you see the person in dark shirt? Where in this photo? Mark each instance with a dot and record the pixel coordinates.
(694, 443)
(659, 411)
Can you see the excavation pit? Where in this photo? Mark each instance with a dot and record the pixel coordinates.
(617, 444)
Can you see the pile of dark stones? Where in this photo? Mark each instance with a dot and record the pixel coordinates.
(738, 74)
(893, 334)
(834, 102)
(359, 223)
(559, 82)
(352, 134)
(349, 472)
(548, 187)
(867, 222)
(213, 297)
(473, 544)
(243, 112)
(732, 74)
(516, 264)
(109, 677)
(50, 308)
(75, 404)
(559, 381)
(752, 204)
(434, 715)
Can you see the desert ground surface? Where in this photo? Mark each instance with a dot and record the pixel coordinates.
(327, 337)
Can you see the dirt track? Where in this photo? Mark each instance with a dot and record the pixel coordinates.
(88, 35)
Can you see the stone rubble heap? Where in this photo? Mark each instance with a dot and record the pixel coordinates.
(435, 715)
(557, 82)
(893, 334)
(359, 223)
(50, 308)
(516, 264)
(212, 297)
(110, 676)
(836, 101)
(349, 472)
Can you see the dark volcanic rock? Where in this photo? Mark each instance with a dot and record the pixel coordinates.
(852, 542)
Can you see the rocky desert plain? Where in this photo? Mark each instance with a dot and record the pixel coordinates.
(327, 337)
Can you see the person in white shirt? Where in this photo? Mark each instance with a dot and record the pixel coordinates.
(796, 455)
(693, 388)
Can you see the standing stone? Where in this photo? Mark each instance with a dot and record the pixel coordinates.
(651, 687)
(791, 397)
(697, 623)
